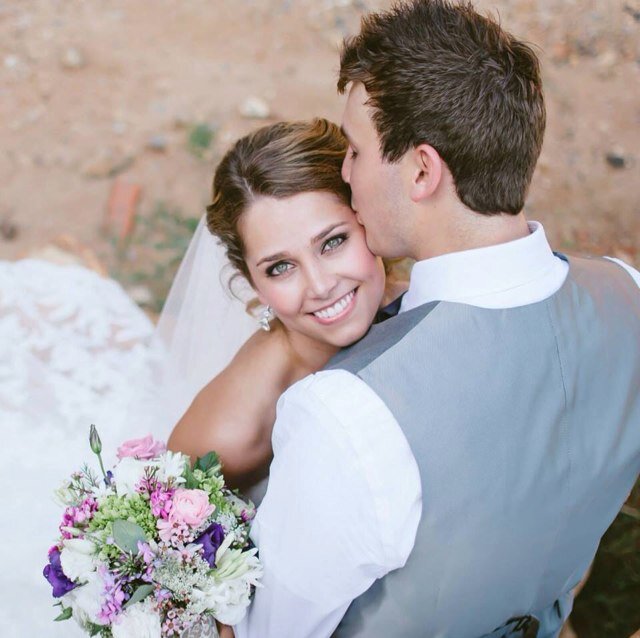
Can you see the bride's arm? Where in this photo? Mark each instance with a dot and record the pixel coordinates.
(233, 415)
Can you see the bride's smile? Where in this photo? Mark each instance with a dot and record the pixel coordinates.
(308, 260)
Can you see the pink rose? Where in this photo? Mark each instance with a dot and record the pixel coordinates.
(144, 448)
(191, 507)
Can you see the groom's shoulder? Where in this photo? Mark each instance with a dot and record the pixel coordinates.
(381, 338)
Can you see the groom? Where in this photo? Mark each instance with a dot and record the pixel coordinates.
(452, 474)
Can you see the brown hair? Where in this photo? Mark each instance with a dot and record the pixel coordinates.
(439, 73)
(279, 160)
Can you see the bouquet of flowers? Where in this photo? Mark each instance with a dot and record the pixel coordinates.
(154, 548)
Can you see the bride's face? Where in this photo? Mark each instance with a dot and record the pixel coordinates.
(309, 261)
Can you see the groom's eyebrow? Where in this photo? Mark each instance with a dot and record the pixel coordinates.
(343, 130)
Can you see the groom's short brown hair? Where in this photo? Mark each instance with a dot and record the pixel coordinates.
(439, 73)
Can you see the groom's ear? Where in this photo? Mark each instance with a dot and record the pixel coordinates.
(426, 171)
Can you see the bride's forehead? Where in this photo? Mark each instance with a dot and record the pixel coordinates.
(305, 212)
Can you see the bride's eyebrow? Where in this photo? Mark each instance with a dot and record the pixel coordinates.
(326, 231)
(315, 240)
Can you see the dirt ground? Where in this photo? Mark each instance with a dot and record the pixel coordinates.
(93, 89)
(97, 90)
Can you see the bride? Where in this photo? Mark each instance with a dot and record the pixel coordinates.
(282, 212)
(74, 349)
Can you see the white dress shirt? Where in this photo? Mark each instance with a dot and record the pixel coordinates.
(344, 497)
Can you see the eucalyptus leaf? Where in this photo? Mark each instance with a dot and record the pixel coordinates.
(65, 615)
(139, 594)
(127, 535)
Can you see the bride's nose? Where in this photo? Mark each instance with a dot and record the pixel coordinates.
(320, 281)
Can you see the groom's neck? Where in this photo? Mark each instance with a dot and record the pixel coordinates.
(457, 231)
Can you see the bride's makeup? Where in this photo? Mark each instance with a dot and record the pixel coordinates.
(309, 261)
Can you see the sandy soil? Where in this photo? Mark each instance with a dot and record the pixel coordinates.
(86, 87)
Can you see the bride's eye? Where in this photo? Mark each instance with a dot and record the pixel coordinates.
(352, 153)
(333, 242)
(279, 268)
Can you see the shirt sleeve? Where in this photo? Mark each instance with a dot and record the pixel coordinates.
(342, 507)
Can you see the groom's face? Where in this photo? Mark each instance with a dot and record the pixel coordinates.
(376, 185)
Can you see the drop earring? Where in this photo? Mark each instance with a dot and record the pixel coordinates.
(266, 316)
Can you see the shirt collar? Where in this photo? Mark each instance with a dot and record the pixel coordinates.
(473, 274)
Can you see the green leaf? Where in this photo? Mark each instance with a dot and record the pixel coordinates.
(65, 615)
(139, 594)
(127, 534)
(206, 462)
(191, 482)
(93, 629)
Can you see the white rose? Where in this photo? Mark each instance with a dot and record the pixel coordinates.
(86, 600)
(78, 558)
(138, 621)
(128, 473)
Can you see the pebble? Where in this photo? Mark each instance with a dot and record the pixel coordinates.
(11, 61)
(141, 295)
(255, 108)
(157, 143)
(634, 13)
(8, 229)
(616, 160)
(119, 127)
(72, 59)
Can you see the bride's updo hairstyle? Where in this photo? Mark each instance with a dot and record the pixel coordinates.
(279, 160)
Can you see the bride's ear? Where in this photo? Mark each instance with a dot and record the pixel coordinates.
(426, 168)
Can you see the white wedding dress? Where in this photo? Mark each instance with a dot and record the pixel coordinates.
(76, 350)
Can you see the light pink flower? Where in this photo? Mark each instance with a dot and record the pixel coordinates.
(144, 448)
(191, 507)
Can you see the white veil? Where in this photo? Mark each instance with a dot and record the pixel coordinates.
(202, 324)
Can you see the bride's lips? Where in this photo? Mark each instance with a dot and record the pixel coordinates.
(347, 304)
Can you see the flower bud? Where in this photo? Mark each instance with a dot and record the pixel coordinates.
(94, 440)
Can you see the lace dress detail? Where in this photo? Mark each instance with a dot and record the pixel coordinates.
(74, 350)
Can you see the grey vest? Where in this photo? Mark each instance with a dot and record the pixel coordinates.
(525, 424)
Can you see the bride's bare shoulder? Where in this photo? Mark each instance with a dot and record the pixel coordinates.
(235, 411)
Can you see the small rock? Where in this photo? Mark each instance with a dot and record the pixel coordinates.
(11, 61)
(8, 229)
(616, 160)
(634, 13)
(255, 108)
(119, 127)
(141, 295)
(606, 64)
(157, 143)
(182, 121)
(73, 58)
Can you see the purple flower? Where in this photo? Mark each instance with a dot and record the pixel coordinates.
(54, 574)
(210, 540)
(78, 516)
(113, 596)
